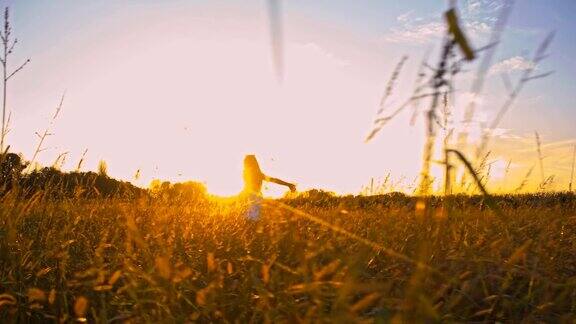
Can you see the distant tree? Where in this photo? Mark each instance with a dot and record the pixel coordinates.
(317, 194)
(57, 184)
(189, 190)
(11, 166)
(182, 191)
(54, 183)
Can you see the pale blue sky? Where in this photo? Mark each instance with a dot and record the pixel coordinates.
(43, 25)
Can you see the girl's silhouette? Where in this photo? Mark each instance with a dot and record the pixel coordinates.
(253, 178)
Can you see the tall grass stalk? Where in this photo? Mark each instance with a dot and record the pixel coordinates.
(277, 37)
(479, 184)
(381, 119)
(572, 172)
(526, 77)
(47, 132)
(540, 158)
(439, 85)
(8, 45)
(482, 71)
(81, 161)
(525, 180)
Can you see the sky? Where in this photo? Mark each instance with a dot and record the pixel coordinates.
(182, 90)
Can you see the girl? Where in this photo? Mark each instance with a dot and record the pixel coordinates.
(253, 178)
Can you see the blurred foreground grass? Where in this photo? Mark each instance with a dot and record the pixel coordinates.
(164, 260)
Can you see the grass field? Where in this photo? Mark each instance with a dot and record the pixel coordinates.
(312, 259)
(173, 98)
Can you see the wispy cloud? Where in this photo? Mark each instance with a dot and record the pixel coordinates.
(513, 64)
(483, 9)
(420, 33)
(477, 17)
(429, 31)
(405, 17)
(564, 146)
(478, 28)
(473, 6)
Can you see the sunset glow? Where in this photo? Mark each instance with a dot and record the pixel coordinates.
(287, 161)
(182, 91)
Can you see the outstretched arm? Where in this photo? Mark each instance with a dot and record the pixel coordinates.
(291, 186)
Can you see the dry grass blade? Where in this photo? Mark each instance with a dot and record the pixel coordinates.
(60, 161)
(483, 69)
(442, 83)
(459, 36)
(8, 45)
(276, 34)
(470, 168)
(517, 89)
(80, 308)
(380, 121)
(540, 157)
(7, 300)
(525, 180)
(365, 302)
(391, 83)
(42, 138)
(419, 86)
(377, 247)
(36, 295)
(572, 172)
(79, 165)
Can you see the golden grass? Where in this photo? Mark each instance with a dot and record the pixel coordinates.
(308, 260)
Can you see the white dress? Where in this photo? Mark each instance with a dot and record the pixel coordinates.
(254, 203)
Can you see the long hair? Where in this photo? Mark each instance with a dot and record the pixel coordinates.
(251, 167)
